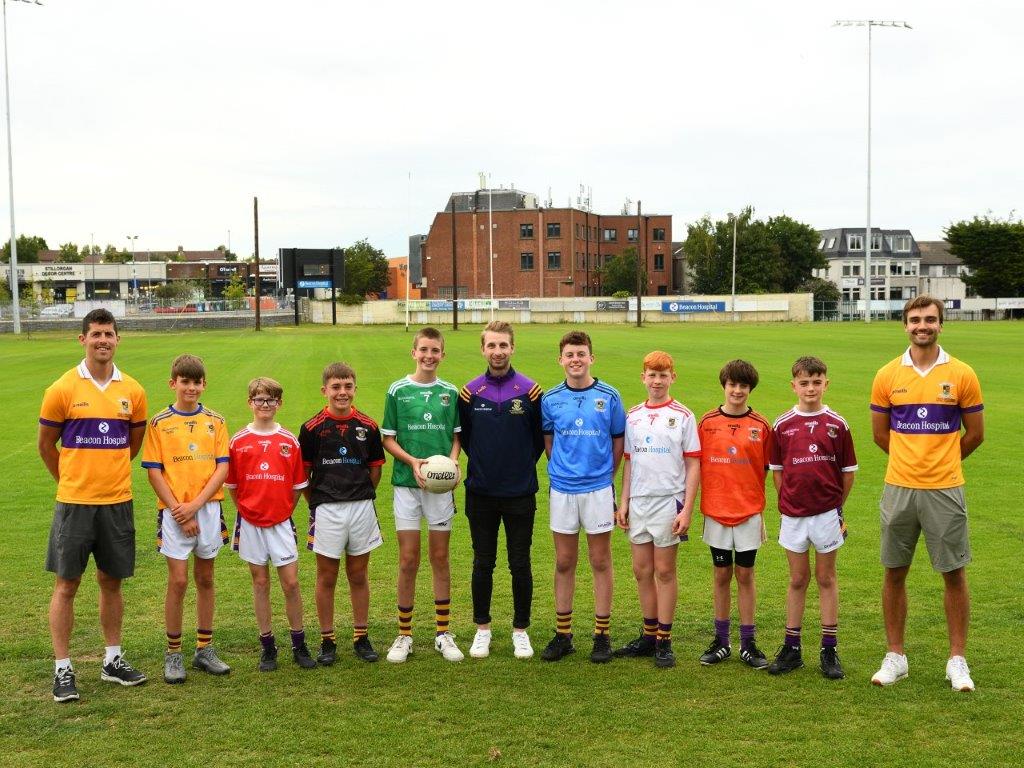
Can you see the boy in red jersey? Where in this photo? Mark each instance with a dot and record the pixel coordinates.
(343, 456)
(735, 445)
(265, 478)
(659, 485)
(812, 463)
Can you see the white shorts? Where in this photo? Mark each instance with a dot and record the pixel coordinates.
(593, 511)
(213, 534)
(344, 527)
(258, 545)
(651, 519)
(411, 505)
(824, 531)
(738, 538)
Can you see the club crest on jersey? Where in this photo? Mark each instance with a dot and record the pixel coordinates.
(210, 428)
(445, 399)
(125, 406)
(517, 407)
(360, 433)
(833, 431)
(946, 390)
(672, 421)
(286, 450)
(755, 434)
(599, 405)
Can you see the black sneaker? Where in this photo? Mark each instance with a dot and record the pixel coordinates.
(302, 656)
(268, 659)
(560, 646)
(602, 651)
(830, 666)
(364, 650)
(715, 653)
(786, 660)
(663, 656)
(753, 656)
(328, 653)
(644, 645)
(64, 685)
(121, 672)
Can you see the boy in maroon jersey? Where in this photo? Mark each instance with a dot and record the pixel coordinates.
(265, 477)
(812, 463)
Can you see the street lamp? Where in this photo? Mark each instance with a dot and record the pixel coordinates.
(735, 220)
(135, 283)
(869, 23)
(485, 178)
(16, 311)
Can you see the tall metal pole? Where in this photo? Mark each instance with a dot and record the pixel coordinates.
(735, 221)
(13, 283)
(490, 240)
(455, 276)
(256, 257)
(639, 272)
(135, 281)
(408, 258)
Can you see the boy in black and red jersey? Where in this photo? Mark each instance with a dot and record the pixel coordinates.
(343, 454)
(265, 476)
(812, 463)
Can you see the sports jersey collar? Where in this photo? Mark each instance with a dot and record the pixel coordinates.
(274, 431)
(500, 379)
(647, 404)
(409, 379)
(942, 359)
(583, 389)
(196, 412)
(735, 415)
(83, 372)
(329, 415)
(823, 409)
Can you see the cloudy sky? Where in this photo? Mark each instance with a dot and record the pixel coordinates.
(350, 120)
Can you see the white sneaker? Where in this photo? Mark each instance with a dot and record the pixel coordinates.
(521, 643)
(481, 647)
(400, 649)
(894, 668)
(445, 645)
(958, 674)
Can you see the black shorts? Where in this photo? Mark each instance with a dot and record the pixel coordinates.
(722, 558)
(107, 531)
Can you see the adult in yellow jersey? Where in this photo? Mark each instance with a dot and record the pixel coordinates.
(926, 413)
(98, 415)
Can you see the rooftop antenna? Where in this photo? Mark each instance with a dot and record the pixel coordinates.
(626, 206)
(482, 180)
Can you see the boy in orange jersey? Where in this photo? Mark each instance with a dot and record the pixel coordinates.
(186, 455)
(343, 456)
(735, 442)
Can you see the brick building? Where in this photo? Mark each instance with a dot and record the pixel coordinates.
(538, 252)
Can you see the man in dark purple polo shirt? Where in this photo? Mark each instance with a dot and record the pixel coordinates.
(499, 412)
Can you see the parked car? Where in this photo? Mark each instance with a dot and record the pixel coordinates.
(57, 310)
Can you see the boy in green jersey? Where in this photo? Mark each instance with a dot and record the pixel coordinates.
(421, 419)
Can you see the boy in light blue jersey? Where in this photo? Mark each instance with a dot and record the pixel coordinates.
(584, 425)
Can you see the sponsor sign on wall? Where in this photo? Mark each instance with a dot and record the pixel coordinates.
(678, 307)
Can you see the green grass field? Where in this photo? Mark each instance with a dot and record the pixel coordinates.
(429, 712)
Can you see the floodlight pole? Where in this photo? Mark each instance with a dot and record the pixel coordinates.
(490, 240)
(735, 221)
(869, 23)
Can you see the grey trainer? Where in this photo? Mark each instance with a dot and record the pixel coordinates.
(174, 668)
(207, 660)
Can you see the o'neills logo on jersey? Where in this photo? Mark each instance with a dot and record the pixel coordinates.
(286, 450)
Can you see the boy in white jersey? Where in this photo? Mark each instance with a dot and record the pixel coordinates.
(659, 485)
(421, 419)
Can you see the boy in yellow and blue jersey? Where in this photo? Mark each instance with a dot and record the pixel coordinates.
(186, 455)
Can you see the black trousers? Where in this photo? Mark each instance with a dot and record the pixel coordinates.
(485, 515)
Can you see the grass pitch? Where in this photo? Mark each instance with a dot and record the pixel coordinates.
(429, 712)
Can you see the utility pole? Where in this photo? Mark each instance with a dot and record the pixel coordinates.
(455, 276)
(639, 271)
(256, 254)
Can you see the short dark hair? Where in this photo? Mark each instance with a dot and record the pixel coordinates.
(427, 333)
(577, 339)
(98, 317)
(920, 302)
(738, 372)
(813, 366)
(498, 326)
(188, 367)
(338, 371)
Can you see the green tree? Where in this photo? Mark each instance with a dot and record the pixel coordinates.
(112, 255)
(29, 300)
(29, 247)
(620, 273)
(85, 251)
(798, 251)
(993, 250)
(366, 270)
(701, 251)
(69, 254)
(226, 254)
(234, 292)
(823, 290)
(5, 289)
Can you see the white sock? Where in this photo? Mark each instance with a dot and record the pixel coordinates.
(60, 664)
(113, 651)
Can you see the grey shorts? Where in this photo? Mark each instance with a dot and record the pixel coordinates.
(941, 513)
(107, 531)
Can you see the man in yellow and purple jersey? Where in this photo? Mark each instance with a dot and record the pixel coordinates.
(98, 415)
(926, 413)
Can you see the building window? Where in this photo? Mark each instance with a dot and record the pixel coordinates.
(659, 262)
(901, 243)
(878, 269)
(855, 242)
(659, 234)
(577, 231)
(851, 294)
(831, 243)
(554, 259)
(895, 268)
(910, 268)
(632, 235)
(876, 242)
(526, 261)
(821, 244)
(581, 260)
(895, 293)
(525, 230)
(554, 229)
(851, 270)
(609, 235)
